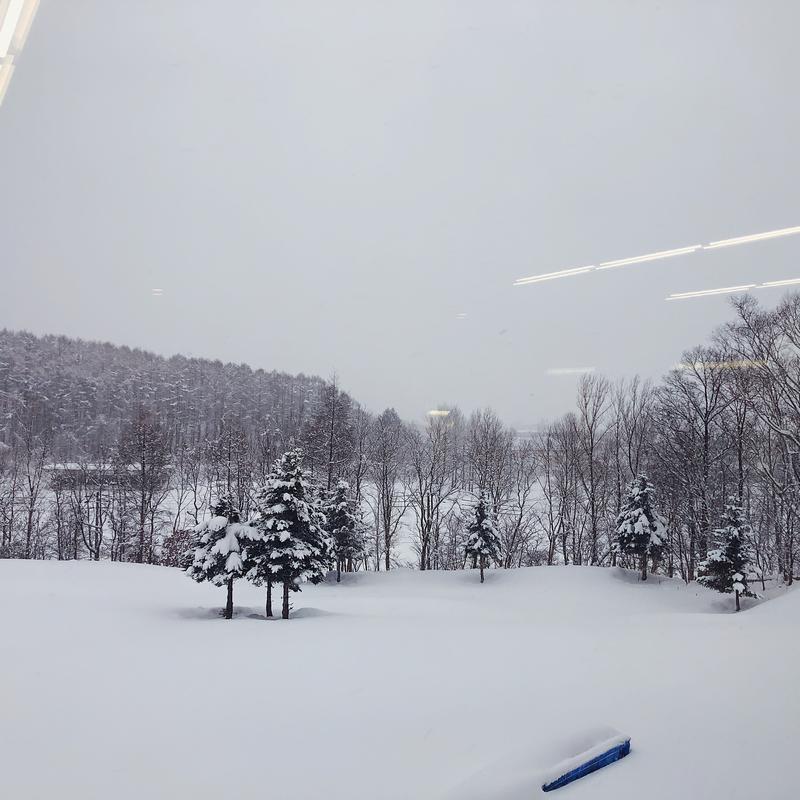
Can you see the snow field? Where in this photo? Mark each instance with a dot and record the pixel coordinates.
(122, 681)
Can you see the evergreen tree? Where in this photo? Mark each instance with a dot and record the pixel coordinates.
(345, 528)
(483, 540)
(725, 568)
(292, 546)
(218, 553)
(640, 528)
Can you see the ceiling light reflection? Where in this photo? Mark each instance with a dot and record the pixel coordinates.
(678, 251)
(708, 292)
(731, 289)
(549, 276)
(15, 22)
(754, 237)
(770, 284)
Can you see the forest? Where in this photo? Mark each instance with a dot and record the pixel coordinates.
(109, 452)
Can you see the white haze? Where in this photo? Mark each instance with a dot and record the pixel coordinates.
(354, 186)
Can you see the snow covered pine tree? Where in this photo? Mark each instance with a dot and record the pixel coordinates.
(345, 528)
(292, 545)
(640, 528)
(217, 551)
(725, 568)
(483, 541)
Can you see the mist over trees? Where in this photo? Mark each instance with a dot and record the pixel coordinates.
(109, 452)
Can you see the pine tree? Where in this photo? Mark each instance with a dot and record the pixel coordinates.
(725, 568)
(483, 540)
(640, 528)
(292, 546)
(345, 528)
(218, 553)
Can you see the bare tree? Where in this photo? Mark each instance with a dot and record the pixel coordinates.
(692, 444)
(328, 436)
(489, 444)
(431, 452)
(230, 463)
(361, 436)
(592, 429)
(518, 519)
(34, 449)
(548, 510)
(388, 468)
(142, 464)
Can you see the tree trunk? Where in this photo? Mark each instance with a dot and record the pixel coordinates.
(142, 519)
(482, 561)
(737, 600)
(229, 603)
(285, 611)
(29, 534)
(644, 567)
(269, 599)
(338, 570)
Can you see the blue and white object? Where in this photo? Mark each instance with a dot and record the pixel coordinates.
(547, 761)
(594, 753)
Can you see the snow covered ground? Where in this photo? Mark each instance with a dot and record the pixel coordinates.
(121, 681)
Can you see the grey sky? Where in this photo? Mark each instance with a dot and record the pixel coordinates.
(323, 186)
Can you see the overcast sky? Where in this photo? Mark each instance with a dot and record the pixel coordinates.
(332, 185)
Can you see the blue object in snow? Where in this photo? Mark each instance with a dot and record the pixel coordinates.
(615, 753)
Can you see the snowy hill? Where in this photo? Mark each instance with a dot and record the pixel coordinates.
(121, 681)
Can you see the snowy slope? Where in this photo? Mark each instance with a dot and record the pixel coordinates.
(121, 681)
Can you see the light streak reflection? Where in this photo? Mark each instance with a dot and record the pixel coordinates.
(661, 254)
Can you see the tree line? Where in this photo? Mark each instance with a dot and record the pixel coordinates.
(87, 471)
